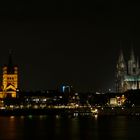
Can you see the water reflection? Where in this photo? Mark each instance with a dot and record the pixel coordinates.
(67, 128)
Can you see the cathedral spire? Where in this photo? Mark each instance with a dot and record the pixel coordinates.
(132, 56)
(121, 71)
(121, 57)
(137, 63)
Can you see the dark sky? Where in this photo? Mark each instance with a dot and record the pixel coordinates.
(70, 42)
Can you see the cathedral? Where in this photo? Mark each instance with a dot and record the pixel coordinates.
(127, 73)
(9, 80)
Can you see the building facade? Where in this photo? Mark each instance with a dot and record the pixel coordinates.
(9, 79)
(127, 73)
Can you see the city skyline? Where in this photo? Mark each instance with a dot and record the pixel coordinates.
(69, 70)
(71, 43)
(65, 82)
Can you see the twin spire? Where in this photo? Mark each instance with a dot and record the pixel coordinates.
(128, 73)
(132, 66)
(132, 57)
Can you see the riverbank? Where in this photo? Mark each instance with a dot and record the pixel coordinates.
(119, 111)
(72, 112)
(47, 111)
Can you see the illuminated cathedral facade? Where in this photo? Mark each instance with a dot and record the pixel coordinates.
(127, 73)
(9, 80)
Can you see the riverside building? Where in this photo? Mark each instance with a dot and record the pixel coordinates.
(9, 79)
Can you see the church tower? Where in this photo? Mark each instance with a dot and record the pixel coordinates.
(10, 79)
(132, 64)
(121, 71)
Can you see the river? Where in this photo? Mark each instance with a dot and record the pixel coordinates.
(67, 128)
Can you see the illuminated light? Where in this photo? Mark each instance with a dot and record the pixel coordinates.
(98, 93)
(75, 114)
(122, 108)
(76, 105)
(60, 97)
(96, 116)
(94, 111)
(2, 107)
(11, 106)
(112, 108)
(118, 97)
(17, 90)
(35, 107)
(109, 90)
(113, 101)
(12, 117)
(66, 89)
(63, 88)
(30, 116)
(36, 100)
(21, 106)
(44, 100)
(57, 116)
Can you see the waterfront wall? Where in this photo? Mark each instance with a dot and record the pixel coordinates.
(71, 112)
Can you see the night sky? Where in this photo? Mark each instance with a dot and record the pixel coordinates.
(68, 42)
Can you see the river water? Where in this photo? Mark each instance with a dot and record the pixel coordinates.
(66, 128)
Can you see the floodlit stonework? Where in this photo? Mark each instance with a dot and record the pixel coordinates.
(127, 74)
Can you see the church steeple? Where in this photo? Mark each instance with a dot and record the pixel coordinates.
(10, 63)
(132, 56)
(121, 62)
(137, 63)
(121, 57)
(121, 71)
(10, 78)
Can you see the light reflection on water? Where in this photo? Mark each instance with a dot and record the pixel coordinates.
(67, 128)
